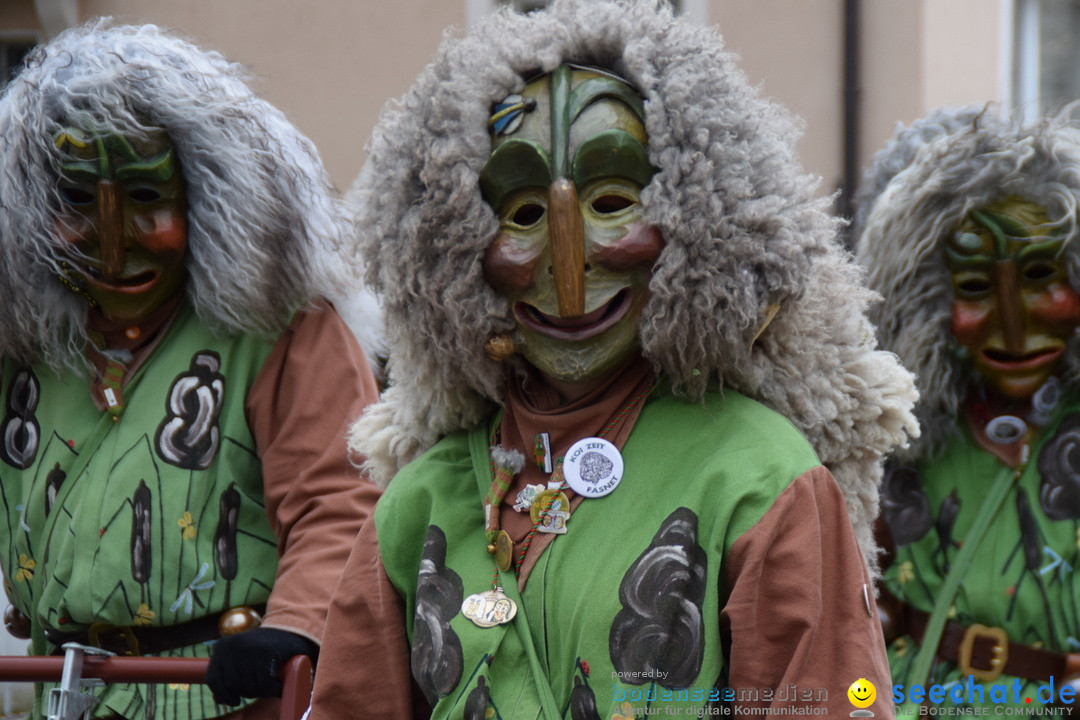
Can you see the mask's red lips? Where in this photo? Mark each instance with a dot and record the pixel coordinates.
(128, 285)
(579, 328)
(1001, 360)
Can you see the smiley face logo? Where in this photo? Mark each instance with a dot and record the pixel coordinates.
(862, 693)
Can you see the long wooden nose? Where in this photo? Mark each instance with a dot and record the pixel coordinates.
(567, 247)
(110, 228)
(1010, 314)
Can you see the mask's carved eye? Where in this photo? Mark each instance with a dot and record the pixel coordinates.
(144, 195)
(973, 287)
(611, 203)
(76, 196)
(1037, 271)
(528, 214)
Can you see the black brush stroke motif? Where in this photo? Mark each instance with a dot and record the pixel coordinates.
(1059, 466)
(904, 504)
(20, 430)
(582, 702)
(1032, 542)
(476, 704)
(225, 552)
(946, 520)
(53, 482)
(437, 659)
(188, 437)
(140, 534)
(1030, 537)
(660, 632)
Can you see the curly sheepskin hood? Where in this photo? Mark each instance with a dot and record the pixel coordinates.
(744, 235)
(965, 164)
(901, 150)
(265, 227)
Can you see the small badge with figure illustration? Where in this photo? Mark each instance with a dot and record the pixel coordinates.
(593, 467)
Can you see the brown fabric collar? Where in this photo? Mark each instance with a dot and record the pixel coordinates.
(532, 407)
(116, 337)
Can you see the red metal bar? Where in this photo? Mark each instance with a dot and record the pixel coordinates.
(296, 675)
(112, 669)
(296, 687)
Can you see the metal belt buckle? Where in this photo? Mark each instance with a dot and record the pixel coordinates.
(999, 655)
(109, 637)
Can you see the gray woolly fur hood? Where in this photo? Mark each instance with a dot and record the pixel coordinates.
(973, 162)
(742, 227)
(901, 150)
(263, 221)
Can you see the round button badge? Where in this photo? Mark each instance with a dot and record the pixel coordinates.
(593, 467)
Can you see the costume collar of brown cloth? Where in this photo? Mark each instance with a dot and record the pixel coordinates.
(533, 407)
(106, 334)
(132, 336)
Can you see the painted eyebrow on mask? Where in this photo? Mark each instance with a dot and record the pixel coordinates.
(612, 153)
(515, 164)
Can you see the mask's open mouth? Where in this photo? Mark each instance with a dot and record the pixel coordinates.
(130, 284)
(579, 328)
(1002, 360)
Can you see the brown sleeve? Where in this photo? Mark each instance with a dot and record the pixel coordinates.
(364, 662)
(801, 610)
(311, 388)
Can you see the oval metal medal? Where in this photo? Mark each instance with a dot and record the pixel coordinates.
(593, 467)
(504, 551)
(489, 608)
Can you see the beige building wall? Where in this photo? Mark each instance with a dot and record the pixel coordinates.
(914, 55)
(793, 49)
(328, 64)
(331, 64)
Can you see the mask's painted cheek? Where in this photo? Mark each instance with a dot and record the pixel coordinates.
(971, 321)
(640, 246)
(74, 228)
(1056, 308)
(162, 231)
(510, 265)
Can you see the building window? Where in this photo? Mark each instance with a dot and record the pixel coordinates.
(475, 9)
(12, 51)
(1045, 55)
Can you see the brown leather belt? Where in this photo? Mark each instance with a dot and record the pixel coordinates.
(134, 640)
(987, 653)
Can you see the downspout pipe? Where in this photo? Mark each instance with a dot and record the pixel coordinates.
(851, 101)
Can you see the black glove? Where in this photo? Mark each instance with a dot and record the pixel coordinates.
(247, 664)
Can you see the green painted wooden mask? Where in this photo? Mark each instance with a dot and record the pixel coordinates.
(573, 256)
(125, 215)
(1013, 307)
